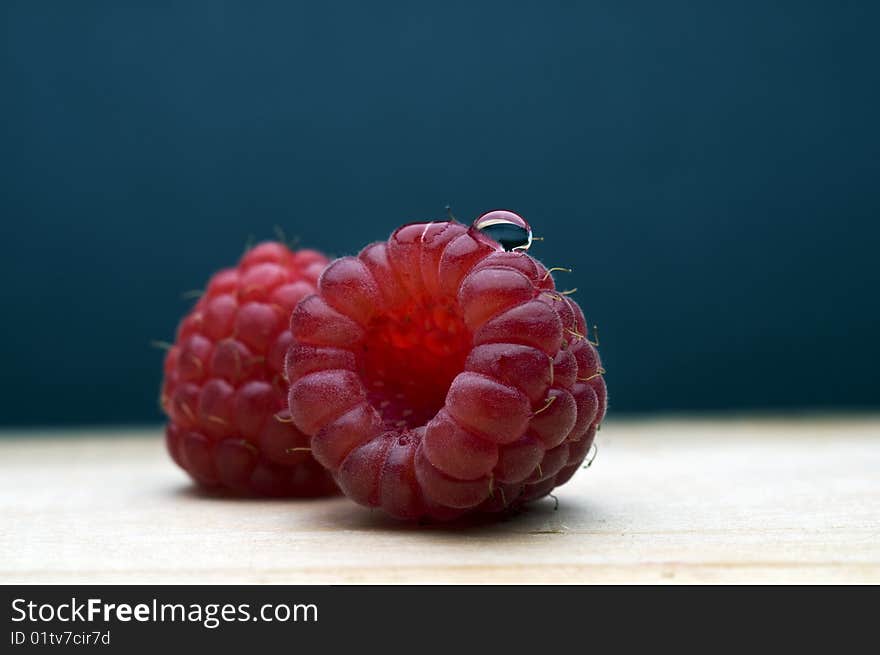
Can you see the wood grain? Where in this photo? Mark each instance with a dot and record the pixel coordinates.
(666, 501)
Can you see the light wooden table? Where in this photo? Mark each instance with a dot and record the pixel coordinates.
(666, 501)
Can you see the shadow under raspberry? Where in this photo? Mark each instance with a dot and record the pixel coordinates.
(193, 491)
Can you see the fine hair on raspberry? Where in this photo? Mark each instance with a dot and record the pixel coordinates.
(224, 389)
(441, 373)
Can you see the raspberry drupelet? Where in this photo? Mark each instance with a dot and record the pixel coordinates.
(440, 373)
(224, 390)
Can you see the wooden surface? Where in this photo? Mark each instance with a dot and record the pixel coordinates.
(665, 501)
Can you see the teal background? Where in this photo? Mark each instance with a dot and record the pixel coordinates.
(710, 170)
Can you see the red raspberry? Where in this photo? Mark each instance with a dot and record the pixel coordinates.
(439, 374)
(224, 390)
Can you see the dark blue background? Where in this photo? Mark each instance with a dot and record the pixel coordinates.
(710, 170)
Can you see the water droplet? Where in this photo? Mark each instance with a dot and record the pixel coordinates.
(507, 229)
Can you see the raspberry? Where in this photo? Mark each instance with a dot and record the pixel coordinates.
(224, 392)
(440, 373)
